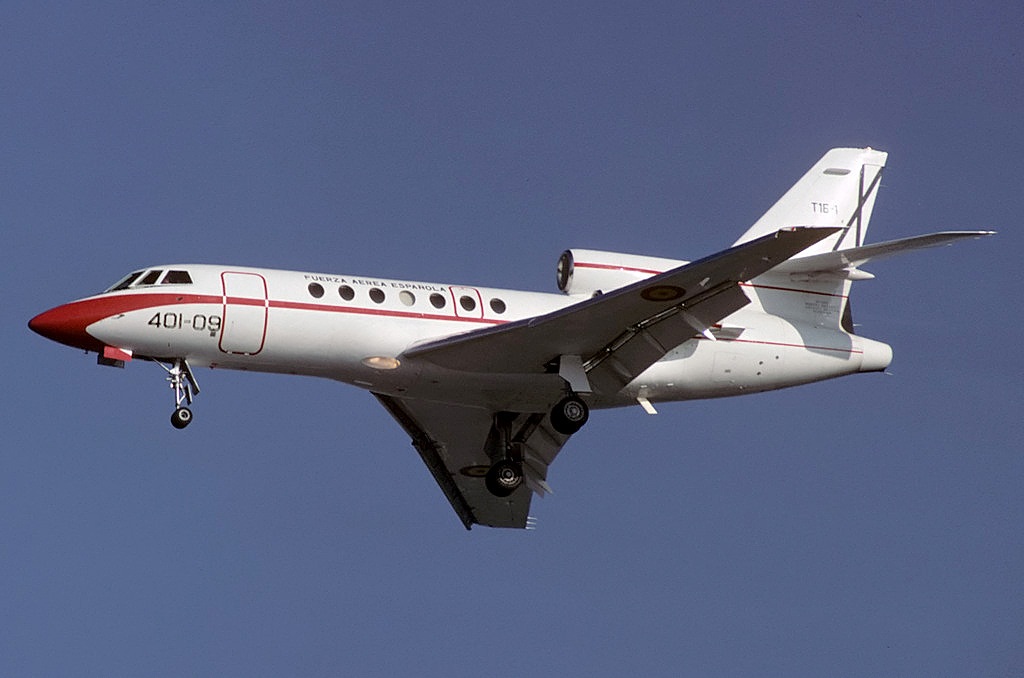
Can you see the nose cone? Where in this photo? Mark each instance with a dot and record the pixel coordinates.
(67, 325)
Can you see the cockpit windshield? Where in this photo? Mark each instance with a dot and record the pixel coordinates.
(151, 277)
(124, 282)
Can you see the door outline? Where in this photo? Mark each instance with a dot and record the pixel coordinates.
(244, 296)
(471, 292)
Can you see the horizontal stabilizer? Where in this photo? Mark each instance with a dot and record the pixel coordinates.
(850, 259)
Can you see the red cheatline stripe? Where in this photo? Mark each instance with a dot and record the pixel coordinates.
(358, 310)
(242, 301)
(792, 289)
(780, 343)
(614, 267)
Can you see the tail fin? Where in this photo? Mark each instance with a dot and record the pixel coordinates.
(838, 191)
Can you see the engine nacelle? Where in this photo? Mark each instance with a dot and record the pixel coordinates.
(590, 272)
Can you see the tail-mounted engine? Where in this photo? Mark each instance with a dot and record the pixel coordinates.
(591, 272)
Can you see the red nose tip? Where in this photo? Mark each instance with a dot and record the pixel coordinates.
(66, 324)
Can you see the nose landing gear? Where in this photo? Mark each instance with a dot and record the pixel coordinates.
(185, 386)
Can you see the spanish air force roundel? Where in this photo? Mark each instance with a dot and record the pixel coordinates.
(662, 293)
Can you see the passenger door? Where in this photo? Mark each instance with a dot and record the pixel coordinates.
(244, 327)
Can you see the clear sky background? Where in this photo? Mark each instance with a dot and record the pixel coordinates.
(869, 526)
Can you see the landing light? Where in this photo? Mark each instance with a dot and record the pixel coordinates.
(379, 362)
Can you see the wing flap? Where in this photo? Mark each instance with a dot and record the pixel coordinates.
(639, 348)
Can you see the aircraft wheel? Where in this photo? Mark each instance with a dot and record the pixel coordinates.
(570, 415)
(503, 478)
(181, 417)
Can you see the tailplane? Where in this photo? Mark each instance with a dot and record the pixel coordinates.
(813, 288)
(822, 281)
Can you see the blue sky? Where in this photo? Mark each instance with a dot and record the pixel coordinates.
(866, 526)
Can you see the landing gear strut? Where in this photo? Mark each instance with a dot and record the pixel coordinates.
(184, 385)
(506, 473)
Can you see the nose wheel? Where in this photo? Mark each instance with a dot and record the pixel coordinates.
(181, 417)
(184, 385)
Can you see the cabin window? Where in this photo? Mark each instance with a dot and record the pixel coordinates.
(467, 302)
(376, 295)
(177, 278)
(407, 297)
(150, 278)
(316, 290)
(346, 293)
(498, 306)
(437, 300)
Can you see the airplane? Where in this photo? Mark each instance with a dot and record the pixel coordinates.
(489, 384)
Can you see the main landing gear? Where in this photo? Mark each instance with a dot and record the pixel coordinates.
(506, 474)
(504, 477)
(569, 415)
(184, 385)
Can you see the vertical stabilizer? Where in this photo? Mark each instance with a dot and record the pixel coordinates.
(839, 191)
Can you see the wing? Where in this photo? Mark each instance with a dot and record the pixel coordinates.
(453, 441)
(618, 335)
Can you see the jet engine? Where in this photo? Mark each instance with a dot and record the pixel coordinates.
(591, 272)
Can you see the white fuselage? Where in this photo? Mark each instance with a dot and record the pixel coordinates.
(355, 330)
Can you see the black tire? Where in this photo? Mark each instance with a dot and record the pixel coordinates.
(569, 415)
(504, 478)
(181, 417)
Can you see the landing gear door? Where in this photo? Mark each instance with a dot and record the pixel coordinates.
(244, 328)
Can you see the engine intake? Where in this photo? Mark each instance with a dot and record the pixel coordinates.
(590, 272)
